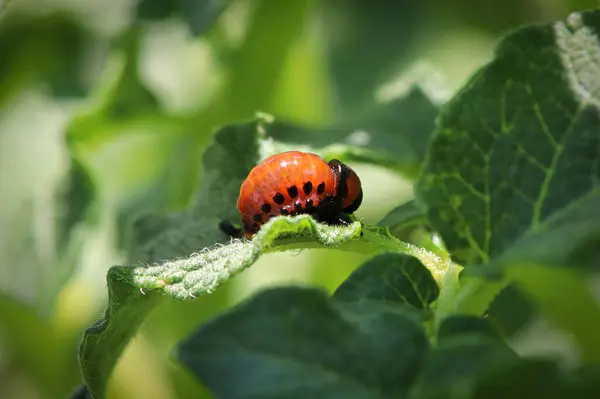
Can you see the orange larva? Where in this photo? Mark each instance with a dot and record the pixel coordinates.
(292, 183)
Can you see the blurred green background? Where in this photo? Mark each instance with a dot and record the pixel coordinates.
(106, 106)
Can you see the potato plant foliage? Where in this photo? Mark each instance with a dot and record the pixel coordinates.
(507, 175)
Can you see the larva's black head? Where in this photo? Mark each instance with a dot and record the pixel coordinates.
(349, 187)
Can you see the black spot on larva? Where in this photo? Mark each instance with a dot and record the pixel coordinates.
(266, 208)
(307, 187)
(298, 206)
(255, 226)
(292, 191)
(279, 199)
(257, 218)
(309, 203)
(321, 188)
(284, 212)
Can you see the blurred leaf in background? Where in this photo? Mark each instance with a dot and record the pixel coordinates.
(198, 15)
(366, 43)
(60, 44)
(49, 207)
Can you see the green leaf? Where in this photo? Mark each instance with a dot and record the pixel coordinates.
(130, 97)
(497, 18)
(76, 211)
(103, 343)
(452, 369)
(394, 135)
(295, 342)
(519, 143)
(120, 95)
(566, 297)
(199, 15)
(121, 106)
(51, 49)
(585, 382)
(527, 378)
(522, 379)
(44, 238)
(459, 325)
(226, 162)
(76, 197)
(256, 69)
(160, 237)
(511, 310)
(162, 186)
(390, 278)
(81, 392)
(570, 237)
(404, 216)
(409, 223)
(132, 289)
(201, 263)
(150, 10)
(204, 271)
(366, 43)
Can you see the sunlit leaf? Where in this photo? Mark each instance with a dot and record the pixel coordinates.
(511, 177)
(520, 143)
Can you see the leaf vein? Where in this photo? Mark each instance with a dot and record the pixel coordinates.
(537, 210)
(414, 286)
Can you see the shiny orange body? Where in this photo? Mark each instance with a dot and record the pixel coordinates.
(295, 182)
